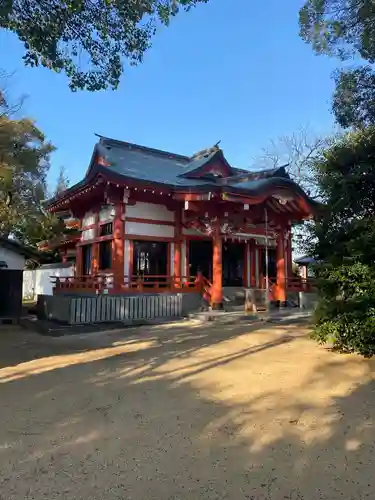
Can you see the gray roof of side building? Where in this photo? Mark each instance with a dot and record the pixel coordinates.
(17, 247)
(305, 260)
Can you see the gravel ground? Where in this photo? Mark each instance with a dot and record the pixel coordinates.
(184, 412)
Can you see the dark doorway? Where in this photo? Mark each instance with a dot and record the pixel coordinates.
(150, 259)
(86, 259)
(233, 263)
(272, 270)
(10, 293)
(200, 258)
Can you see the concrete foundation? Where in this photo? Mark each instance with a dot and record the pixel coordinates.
(307, 300)
(89, 309)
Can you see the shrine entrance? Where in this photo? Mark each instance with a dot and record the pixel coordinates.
(201, 260)
(233, 263)
(150, 260)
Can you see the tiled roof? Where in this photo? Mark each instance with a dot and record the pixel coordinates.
(152, 165)
(149, 165)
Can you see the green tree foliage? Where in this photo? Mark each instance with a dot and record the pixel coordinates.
(345, 241)
(24, 161)
(87, 39)
(354, 97)
(345, 28)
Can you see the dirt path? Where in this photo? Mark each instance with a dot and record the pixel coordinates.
(184, 412)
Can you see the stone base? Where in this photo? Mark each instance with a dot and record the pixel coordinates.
(92, 309)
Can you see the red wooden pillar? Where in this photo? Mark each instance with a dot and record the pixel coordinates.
(79, 263)
(217, 282)
(280, 269)
(177, 249)
(95, 259)
(95, 249)
(118, 247)
(289, 250)
(260, 277)
(253, 277)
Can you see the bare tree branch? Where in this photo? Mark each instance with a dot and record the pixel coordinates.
(8, 106)
(299, 151)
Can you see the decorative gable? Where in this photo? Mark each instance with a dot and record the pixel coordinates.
(209, 163)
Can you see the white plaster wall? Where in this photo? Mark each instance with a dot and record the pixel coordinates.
(144, 229)
(88, 234)
(28, 285)
(38, 281)
(191, 232)
(13, 259)
(106, 213)
(150, 211)
(262, 241)
(88, 219)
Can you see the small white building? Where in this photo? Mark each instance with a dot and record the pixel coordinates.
(13, 255)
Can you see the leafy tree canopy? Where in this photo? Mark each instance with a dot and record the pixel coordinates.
(345, 28)
(87, 39)
(354, 97)
(24, 162)
(345, 241)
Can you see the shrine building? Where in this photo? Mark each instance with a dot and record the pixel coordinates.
(149, 221)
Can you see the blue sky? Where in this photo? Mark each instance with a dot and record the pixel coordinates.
(231, 70)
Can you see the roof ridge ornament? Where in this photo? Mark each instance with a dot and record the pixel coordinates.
(205, 153)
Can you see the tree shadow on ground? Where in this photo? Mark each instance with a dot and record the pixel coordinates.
(18, 345)
(259, 415)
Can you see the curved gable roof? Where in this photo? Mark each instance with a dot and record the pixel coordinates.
(125, 161)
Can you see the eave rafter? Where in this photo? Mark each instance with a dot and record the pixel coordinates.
(283, 201)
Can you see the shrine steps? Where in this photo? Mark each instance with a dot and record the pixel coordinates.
(234, 298)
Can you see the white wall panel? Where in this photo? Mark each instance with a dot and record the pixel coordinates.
(144, 229)
(38, 281)
(150, 211)
(88, 234)
(106, 213)
(191, 232)
(88, 219)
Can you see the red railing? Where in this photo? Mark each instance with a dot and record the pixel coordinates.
(294, 284)
(272, 283)
(298, 284)
(206, 287)
(105, 283)
(77, 283)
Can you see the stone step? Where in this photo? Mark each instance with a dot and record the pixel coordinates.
(235, 317)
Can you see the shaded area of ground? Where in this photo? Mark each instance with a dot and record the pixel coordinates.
(184, 412)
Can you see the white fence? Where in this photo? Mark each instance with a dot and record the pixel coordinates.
(38, 281)
(109, 309)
